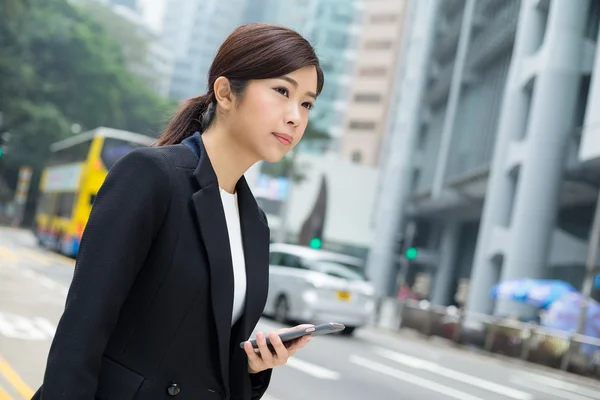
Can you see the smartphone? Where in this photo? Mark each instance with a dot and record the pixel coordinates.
(316, 330)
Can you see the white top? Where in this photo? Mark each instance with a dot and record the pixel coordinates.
(232, 216)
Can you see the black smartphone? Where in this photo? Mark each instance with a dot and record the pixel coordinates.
(317, 330)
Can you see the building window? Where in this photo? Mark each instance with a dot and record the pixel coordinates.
(356, 157)
(367, 97)
(364, 125)
(372, 71)
(378, 45)
(422, 138)
(415, 180)
(383, 18)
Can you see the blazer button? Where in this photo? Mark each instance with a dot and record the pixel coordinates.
(174, 389)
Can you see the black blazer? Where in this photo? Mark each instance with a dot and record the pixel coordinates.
(148, 314)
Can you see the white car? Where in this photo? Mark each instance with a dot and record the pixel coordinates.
(315, 286)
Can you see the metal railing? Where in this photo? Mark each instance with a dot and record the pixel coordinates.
(511, 338)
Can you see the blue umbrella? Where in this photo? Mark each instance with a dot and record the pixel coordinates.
(564, 315)
(538, 292)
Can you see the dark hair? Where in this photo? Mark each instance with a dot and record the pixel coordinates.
(253, 51)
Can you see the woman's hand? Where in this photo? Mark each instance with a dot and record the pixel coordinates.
(262, 358)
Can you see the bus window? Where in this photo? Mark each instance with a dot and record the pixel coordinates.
(114, 149)
(47, 203)
(75, 153)
(65, 205)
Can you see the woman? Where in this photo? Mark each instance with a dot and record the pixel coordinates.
(172, 272)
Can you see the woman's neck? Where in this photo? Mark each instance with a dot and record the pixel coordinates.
(229, 160)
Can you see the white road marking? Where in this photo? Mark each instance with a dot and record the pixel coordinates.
(28, 274)
(412, 379)
(45, 326)
(424, 365)
(47, 282)
(20, 327)
(312, 369)
(547, 390)
(558, 384)
(268, 397)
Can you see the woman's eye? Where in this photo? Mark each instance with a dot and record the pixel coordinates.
(308, 105)
(282, 91)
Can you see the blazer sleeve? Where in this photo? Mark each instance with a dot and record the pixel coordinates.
(127, 214)
(260, 383)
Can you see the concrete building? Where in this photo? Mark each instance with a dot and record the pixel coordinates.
(332, 26)
(157, 64)
(372, 85)
(145, 54)
(494, 155)
(194, 30)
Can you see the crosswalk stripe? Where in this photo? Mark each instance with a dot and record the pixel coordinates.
(551, 391)
(412, 379)
(312, 369)
(4, 395)
(424, 365)
(558, 384)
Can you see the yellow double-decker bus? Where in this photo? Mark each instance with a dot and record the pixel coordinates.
(75, 171)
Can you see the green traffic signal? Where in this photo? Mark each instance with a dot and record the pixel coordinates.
(316, 243)
(1, 152)
(411, 253)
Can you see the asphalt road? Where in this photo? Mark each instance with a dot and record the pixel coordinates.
(374, 364)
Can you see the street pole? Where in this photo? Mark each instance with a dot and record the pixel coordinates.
(409, 237)
(21, 194)
(588, 283)
(590, 270)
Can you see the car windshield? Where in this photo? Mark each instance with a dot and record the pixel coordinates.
(339, 270)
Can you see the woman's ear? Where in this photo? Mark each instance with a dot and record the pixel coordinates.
(223, 93)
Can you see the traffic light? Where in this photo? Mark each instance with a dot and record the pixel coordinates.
(411, 253)
(1, 152)
(315, 243)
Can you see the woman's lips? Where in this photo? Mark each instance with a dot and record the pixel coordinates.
(283, 138)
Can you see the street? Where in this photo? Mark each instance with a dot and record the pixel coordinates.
(374, 364)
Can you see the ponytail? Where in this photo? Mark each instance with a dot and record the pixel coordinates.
(195, 115)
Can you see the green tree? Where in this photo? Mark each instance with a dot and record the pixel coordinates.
(58, 66)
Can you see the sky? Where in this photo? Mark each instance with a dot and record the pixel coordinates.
(153, 12)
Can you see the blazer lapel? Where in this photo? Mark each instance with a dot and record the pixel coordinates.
(213, 227)
(255, 237)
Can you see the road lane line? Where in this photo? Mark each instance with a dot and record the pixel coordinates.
(424, 365)
(7, 255)
(15, 380)
(312, 369)
(35, 256)
(4, 395)
(561, 394)
(412, 379)
(558, 384)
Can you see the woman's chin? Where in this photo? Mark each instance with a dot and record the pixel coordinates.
(272, 156)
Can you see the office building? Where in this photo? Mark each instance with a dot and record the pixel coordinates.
(494, 155)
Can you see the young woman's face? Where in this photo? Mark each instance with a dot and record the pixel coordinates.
(272, 115)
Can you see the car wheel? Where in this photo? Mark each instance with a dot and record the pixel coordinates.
(348, 331)
(281, 310)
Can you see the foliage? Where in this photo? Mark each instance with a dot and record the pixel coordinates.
(59, 66)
